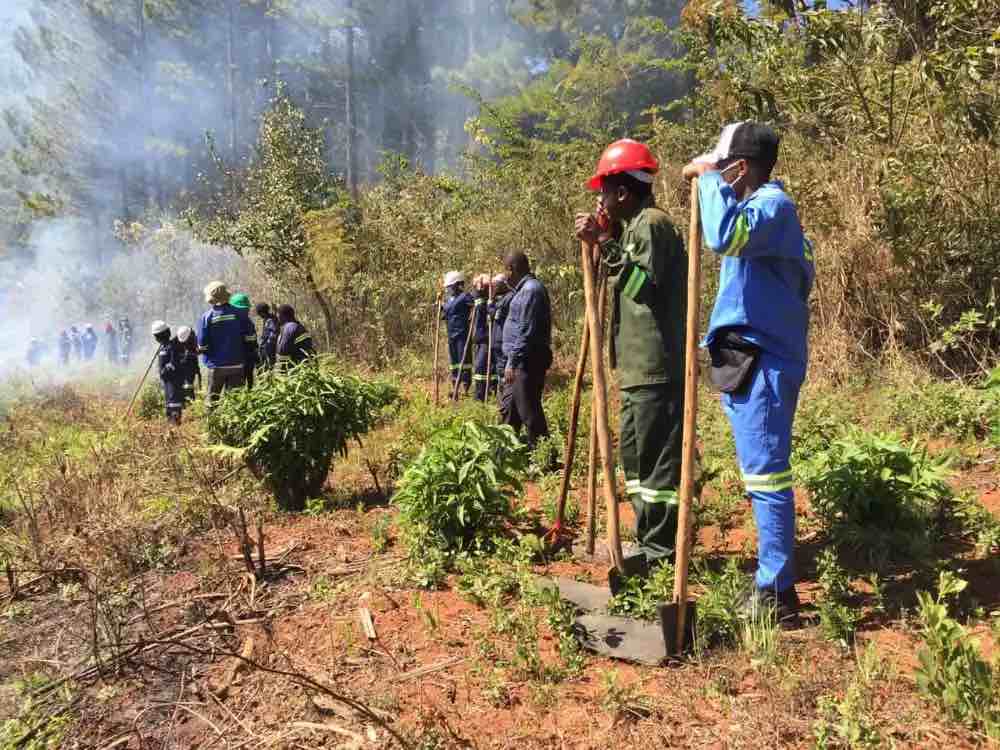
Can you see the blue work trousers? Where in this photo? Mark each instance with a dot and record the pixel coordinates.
(761, 416)
(460, 369)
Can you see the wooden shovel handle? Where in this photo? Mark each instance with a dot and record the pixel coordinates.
(601, 402)
(686, 493)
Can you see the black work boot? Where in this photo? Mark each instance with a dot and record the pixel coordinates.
(784, 606)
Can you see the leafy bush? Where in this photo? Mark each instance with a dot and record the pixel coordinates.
(152, 403)
(837, 617)
(871, 490)
(951, 670)
(849, 722)
(978, 523)
(288, 427)
(942, 408)
(718, 621)
(639, 596)
(455, 495)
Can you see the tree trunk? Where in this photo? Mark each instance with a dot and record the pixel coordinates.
(324, 306)
(231, 73)
(352, 157)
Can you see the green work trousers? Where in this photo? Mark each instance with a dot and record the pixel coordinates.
(651, 435)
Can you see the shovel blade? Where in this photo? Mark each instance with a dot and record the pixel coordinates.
(667, 614)
(632, 566)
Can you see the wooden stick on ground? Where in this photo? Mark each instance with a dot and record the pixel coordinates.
(436, 332)
(690, 417)
(600, 403)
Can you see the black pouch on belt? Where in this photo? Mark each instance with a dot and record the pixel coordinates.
(733, 361)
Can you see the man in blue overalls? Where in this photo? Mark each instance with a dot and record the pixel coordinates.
(758, 336)
(455, 311)
(481, 333)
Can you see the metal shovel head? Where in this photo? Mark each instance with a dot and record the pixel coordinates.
(632, 566)
(667, 614)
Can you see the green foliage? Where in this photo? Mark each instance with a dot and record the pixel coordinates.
(723, 592)
(288, 427)
(152, 403)
(837, 617)
(380, 534)
(849, 722)
(639, 596)
(951, 670)
(621, 701)
(979, 523)
(455, 495)
(871, 490)
(938, 408)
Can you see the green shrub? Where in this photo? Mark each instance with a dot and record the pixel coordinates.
(288, 427)
(455, 495)
(951, 670)
(849, 722)
(639, 596)
(152, 403)
(871, 490)
(941, 408)
(838, 619)
(723, 593)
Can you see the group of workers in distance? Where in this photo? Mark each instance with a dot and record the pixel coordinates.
(757, 337)
(74, 345)
(226, 340)
(509, 317)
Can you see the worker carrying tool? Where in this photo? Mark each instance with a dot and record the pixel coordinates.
(647, 272)
(481, 328)
(295, 343)
(222, 333)
(190, 370)
(88, 342)
(455, 312)
(168, 360)
(758, 336)
(527, 350)
(111, 342)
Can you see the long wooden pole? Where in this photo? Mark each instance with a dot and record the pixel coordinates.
(489, 350)
(592, 457)
(690, 417)
(600, 403)
(465, 353)
(436, 332)
(574, 412)
(143, 380)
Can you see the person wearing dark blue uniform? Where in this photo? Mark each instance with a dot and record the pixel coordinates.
(295, 343)
(190, 370)
(169, 366)
(481, 334)
(124, 340)
(88, 341)
(527, 350)
(75, 343)
(498, 309)
(222, 333)
(242, 304)
(456, 311)
(268, 343)
(65, 347)
(758, 336)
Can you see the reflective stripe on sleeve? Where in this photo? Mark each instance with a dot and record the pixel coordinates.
(222, 318)
(740, 238)
(636, 281)
(776, 482)
(301, 338)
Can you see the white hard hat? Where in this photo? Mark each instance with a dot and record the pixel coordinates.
(184, 333)
(159, 327)
(453, 277)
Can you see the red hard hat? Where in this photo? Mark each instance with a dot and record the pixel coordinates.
(625, 155)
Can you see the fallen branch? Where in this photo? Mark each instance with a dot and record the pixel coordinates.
(430, 669)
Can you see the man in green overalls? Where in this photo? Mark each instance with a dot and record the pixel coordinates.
(647, 273)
